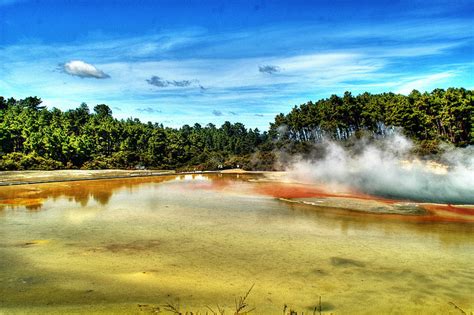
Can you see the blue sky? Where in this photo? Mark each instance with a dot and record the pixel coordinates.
(181, 62)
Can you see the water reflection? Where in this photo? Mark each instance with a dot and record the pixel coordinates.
(32, 197)
(447, 233)
(206, 238)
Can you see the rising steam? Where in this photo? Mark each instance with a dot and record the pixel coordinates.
(388, 169)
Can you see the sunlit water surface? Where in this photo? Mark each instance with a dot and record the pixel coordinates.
(131, 245)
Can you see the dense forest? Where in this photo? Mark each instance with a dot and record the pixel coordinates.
(34, 137)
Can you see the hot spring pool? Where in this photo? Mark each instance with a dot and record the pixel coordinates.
(131, 245)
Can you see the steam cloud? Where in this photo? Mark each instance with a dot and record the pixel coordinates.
(388, 169)
(83, 70)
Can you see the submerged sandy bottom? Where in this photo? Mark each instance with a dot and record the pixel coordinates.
(132, 245)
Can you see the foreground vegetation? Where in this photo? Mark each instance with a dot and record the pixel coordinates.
(34, 137)
(241, 307)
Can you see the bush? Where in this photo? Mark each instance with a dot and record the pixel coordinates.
(98, 163)
(261, 161)
(427, 147)
(17, 161)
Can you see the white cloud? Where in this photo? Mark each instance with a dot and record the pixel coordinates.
(384, 62)
(83, 70)
(425, 83)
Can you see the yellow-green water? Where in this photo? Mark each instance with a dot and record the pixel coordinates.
(125, 246)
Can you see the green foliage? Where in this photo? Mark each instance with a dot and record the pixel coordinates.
(78, 138)
(33, 137)
(17, 161)
(437, 116)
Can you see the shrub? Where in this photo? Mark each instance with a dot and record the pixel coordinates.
(17, 161)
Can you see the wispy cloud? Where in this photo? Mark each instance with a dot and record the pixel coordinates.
(82, 69)
(424, 83)
(268, 69)
(194, 70)
(182, 83)
(160, 82)
(157, 81)
(149, 110)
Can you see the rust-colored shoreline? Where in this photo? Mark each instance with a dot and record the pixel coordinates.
(14, 178)
(296, 193)
(26, 194)
(131, 174)
(442, 214)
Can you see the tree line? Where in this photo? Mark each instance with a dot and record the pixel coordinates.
(31, 136)
(442, 115)
(34, 137)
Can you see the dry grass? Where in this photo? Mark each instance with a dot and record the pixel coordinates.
(241, 307)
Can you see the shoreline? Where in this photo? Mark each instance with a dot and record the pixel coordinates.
(274, 184)
(30, 177)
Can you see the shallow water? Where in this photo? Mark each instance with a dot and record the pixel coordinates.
(128, 246)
